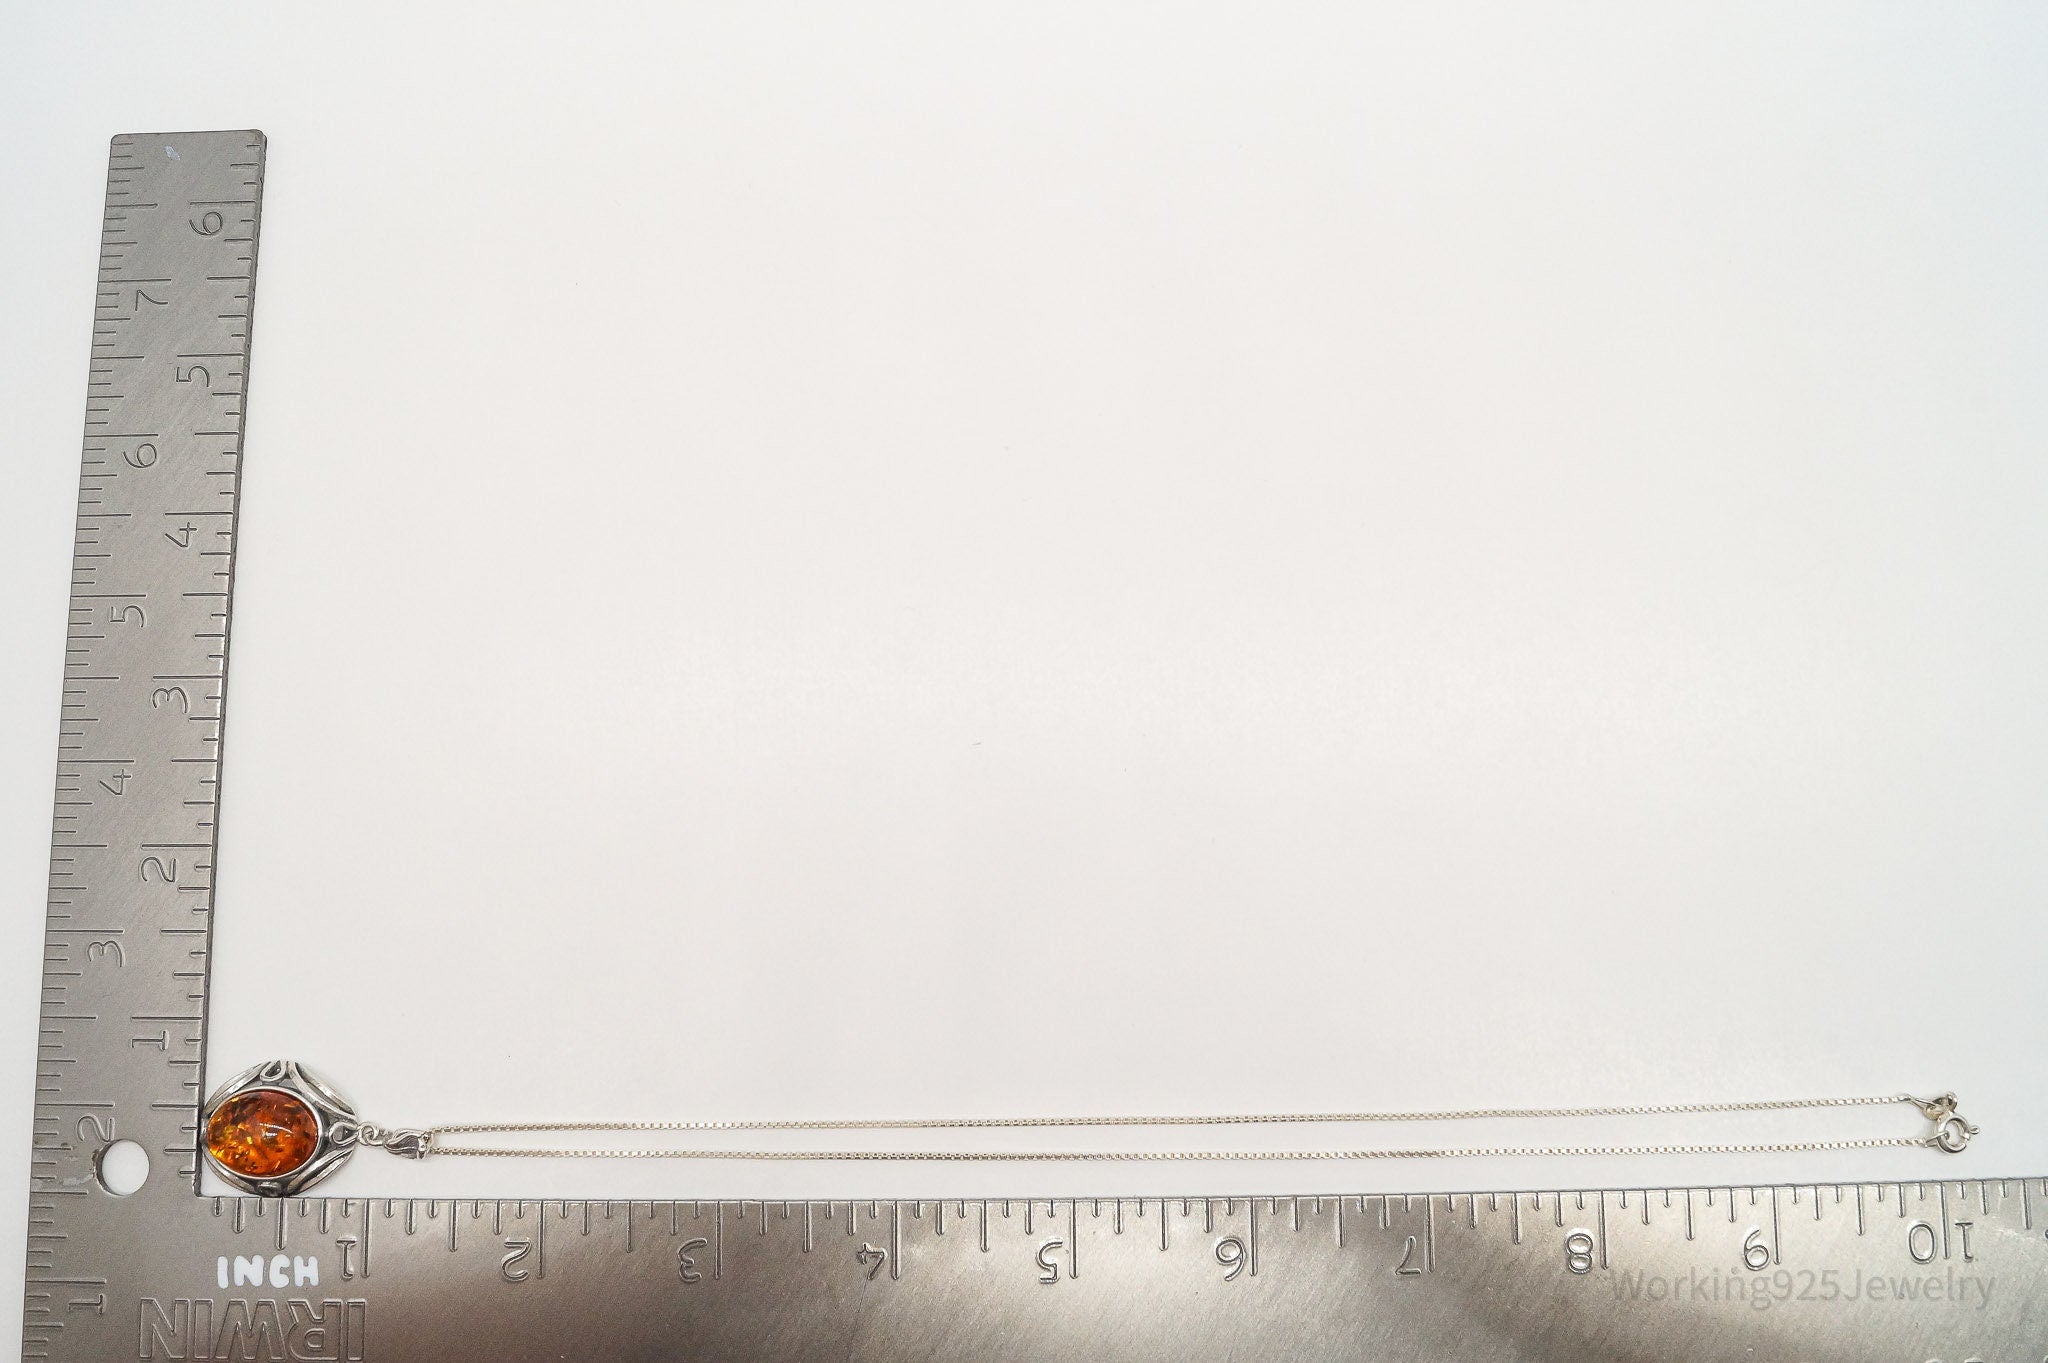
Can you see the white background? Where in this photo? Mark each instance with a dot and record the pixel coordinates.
(962, 559)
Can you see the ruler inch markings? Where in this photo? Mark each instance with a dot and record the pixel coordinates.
(143, 457)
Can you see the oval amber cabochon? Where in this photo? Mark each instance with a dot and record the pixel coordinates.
(263, 1133)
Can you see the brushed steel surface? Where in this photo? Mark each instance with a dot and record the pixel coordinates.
(1916, 1271)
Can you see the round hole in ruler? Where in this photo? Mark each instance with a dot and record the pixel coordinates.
(121, 1167)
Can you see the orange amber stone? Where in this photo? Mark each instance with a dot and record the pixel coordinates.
(264, 1133)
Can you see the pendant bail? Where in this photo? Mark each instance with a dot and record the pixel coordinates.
(403, 1142)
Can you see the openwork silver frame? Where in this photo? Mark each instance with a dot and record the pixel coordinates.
(340, 1130)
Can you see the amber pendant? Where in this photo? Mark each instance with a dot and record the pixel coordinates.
(278, 1129)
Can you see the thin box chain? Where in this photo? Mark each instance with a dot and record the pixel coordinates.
(1950, 1133)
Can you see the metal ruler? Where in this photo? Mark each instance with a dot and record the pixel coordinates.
(1913, 1271)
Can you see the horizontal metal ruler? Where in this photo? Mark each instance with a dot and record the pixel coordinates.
(1915, 1271)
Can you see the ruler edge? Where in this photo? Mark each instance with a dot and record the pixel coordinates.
(104, 274)
(904, 1200)
(227, 643)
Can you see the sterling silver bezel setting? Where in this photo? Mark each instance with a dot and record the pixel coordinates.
(339, 1129)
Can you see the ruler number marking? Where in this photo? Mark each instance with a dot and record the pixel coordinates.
(686, 1261)
(1408, 1268)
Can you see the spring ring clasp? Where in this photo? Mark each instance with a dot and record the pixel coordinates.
(1951, 1131)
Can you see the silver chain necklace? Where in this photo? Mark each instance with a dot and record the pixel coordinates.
(277, 1129)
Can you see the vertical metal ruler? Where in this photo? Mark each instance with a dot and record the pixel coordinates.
(1951, 1270)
